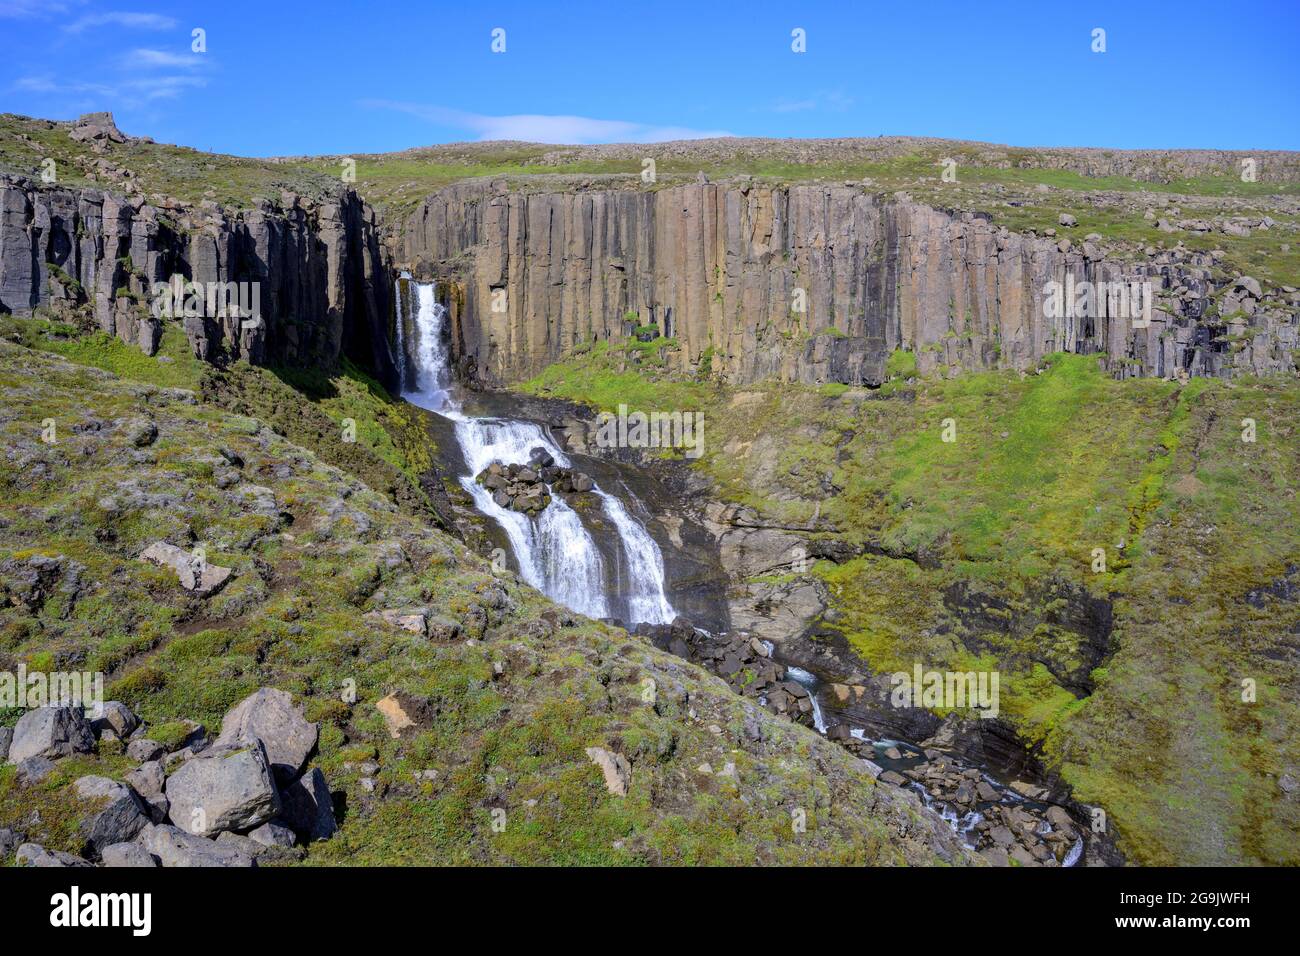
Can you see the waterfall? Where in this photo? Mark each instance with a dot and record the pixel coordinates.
(400, 358)
(810, 682)
(645, 566)
(556, 553)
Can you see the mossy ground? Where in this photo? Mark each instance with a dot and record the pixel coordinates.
(1045, 469)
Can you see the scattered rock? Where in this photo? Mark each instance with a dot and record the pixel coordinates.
(127, 855)
(273, 834)
(118, 718)
(33, 854)
(269, 715)
(175, 848)
(145, 750)
(615, 767)
(195, 575)
(224, 788)
(119, 817)
(33, 770)
(51, 732)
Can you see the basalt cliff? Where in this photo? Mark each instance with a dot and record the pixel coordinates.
(814, 283)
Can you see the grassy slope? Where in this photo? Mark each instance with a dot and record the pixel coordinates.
(293, 617)
(1045, 469)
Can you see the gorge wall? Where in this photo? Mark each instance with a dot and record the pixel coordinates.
(534, 274)
(322, 270)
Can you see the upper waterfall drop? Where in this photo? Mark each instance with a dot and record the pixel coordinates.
(555, 551)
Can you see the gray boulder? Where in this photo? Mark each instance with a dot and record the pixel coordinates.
(118, 718)
(308, 808)
(33, 854)
(118, 818)
(273, 834)
(144, 750)
(224, 788)
(127, 855)
(176, 848)
(269, 715)
(51, 732)
(33, 770)
(148, 780)
(195, 575)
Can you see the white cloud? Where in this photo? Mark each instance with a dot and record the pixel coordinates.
(23, 9)
(546, 128)
(829, 100)
(128, 93)
(136, 21)
(144, 59)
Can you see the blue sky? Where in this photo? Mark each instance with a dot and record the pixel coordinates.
(286, 77)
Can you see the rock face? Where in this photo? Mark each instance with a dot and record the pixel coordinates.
(322, 270)
(808, 283)
(51, 732)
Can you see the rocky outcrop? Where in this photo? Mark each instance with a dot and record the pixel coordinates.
(321, 273)
(810, 283)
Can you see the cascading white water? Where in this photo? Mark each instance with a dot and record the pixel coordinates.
(556, 553)
(809, 682)
(645, 565)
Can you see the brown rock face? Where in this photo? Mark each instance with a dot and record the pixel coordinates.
(810, 283)
(322, 274)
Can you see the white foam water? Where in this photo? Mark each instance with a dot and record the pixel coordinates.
(555, 551)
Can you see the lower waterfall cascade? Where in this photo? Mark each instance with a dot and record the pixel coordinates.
(555, 551)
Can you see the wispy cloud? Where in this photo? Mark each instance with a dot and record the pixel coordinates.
(31, 9)
(143, 59)
(130, 92)
(121, 18)
(545, 128)
(829, 100)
